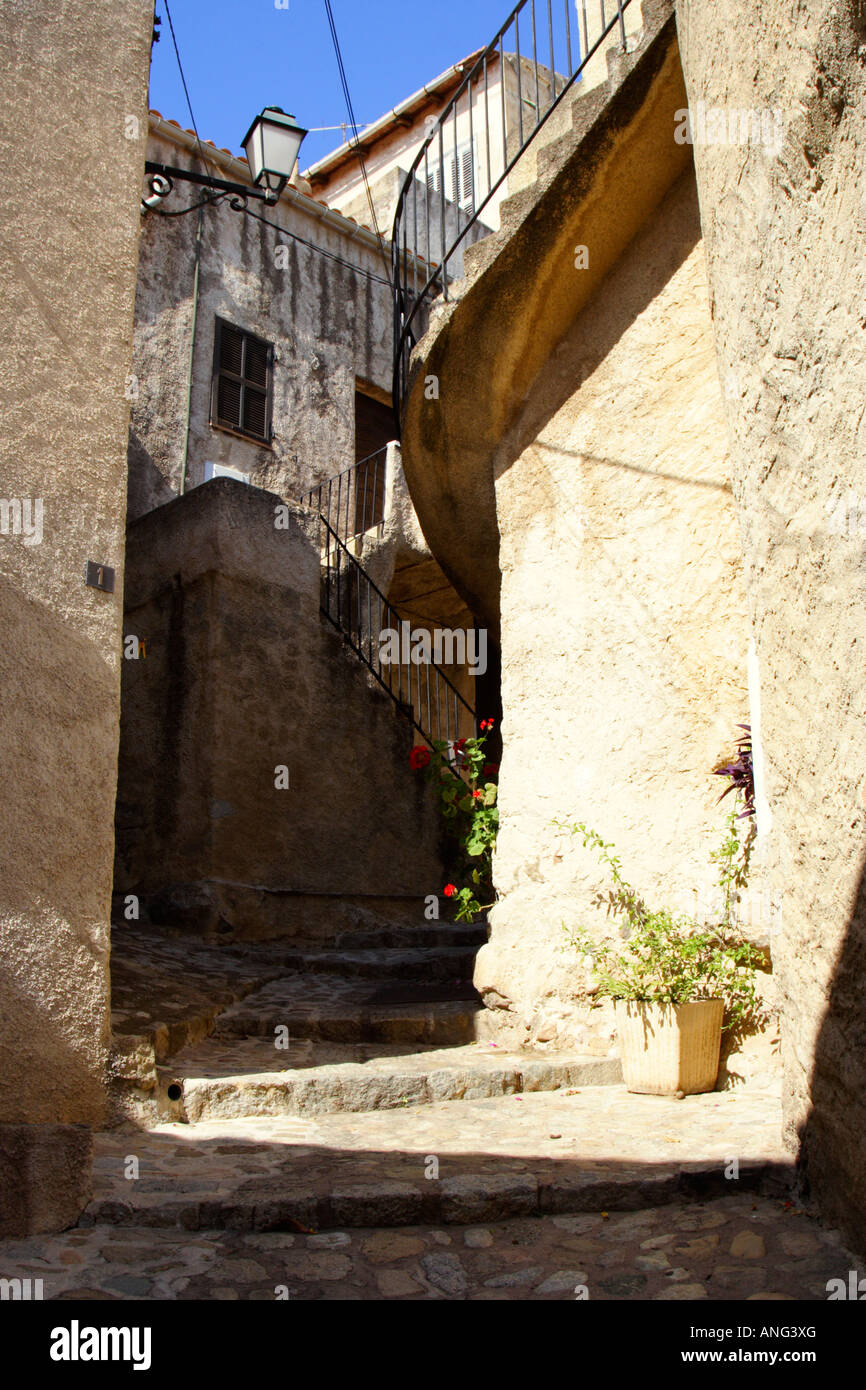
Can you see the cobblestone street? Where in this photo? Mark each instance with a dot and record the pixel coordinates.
(737, 1247)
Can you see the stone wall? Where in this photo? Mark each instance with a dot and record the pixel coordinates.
(242, 676)
(624, 622)
(786, 246)
(330, 326)
(74, 86)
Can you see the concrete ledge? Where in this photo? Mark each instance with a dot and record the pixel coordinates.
(227, 527)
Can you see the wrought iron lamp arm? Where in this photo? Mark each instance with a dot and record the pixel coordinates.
(240, 190)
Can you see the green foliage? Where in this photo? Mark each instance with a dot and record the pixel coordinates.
(670, 958)
(462, 777)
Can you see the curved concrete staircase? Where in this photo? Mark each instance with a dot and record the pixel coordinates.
(590, 177)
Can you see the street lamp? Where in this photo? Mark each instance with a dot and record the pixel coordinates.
(272, 144)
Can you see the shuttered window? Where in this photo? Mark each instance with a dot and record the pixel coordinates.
(458, 179)
(242, 382)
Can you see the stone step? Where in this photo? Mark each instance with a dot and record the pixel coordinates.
(331, 1008)
(230, 1079)
(431, 935)
(558, 125)
(425, 963)
(596, 1150)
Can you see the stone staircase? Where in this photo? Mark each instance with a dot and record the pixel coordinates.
(385, 1018)
(359, 1086)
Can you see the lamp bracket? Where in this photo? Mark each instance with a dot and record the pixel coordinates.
(163, 176)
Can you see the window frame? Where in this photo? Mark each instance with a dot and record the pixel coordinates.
(263, 440)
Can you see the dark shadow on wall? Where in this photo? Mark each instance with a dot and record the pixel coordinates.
(832, 1139)
(147, 486)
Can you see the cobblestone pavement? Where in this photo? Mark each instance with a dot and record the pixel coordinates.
(737, 1247)
(497, 1158)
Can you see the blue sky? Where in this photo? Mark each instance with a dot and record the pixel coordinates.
(242, 55)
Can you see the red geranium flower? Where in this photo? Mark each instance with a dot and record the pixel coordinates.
(487, 724)
(418, 758)
(477, 795)
(449, 890)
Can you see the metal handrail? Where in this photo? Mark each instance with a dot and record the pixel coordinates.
(411, 255)
(358, 609)
(353, 501)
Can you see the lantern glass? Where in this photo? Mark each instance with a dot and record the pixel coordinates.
(272, 144)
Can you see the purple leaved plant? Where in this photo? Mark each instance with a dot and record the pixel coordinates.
(741, 772)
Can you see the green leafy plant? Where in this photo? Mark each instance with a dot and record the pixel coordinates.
(463, 778)
(670, 958)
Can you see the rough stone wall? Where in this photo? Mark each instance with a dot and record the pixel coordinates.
(786, 245)
(624, 625)
(329, 324)
(242, 676)
(73, 75)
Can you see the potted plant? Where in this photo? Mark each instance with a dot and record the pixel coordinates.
(676, 983)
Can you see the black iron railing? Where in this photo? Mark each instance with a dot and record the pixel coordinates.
(359, 610)
(534, 60)
(352, 501)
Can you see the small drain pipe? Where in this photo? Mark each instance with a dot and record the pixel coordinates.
(195, 293)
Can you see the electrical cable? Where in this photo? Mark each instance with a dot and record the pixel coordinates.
(186, 88)
(371, 275)
(348, 97)
(380, 279)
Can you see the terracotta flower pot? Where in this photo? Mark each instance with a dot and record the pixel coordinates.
(667, 1048)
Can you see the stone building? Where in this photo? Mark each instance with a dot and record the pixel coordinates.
(483, 131)
(305, 284)
(263, 357)
(641, 473)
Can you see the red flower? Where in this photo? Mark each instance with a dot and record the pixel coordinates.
(477, 795)
(487, 724)
(418, 758)
(491, 769)
(449, 890)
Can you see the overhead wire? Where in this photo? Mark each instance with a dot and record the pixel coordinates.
(186, 88)
(204, 202)
(351, 110)
(371, 275)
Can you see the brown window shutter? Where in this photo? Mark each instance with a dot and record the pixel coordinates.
(255, 412)
(229, 402)
(231, 350)
(257, 363)
(243, 382)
